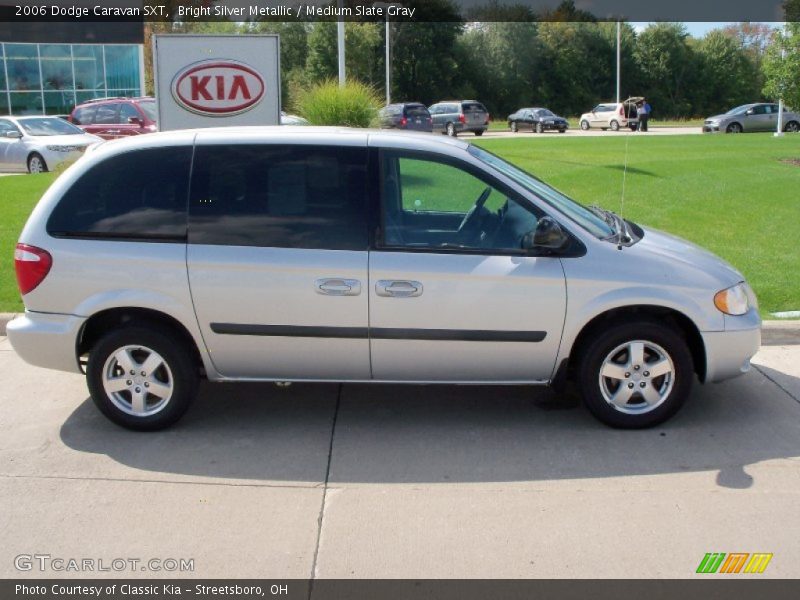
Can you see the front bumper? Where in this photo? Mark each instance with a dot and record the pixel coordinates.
(709, 128)
(47, 340)
(728, 352)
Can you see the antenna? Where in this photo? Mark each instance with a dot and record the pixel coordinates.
(624, 178)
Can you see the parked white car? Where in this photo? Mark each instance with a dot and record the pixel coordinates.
(39, 144)
(322, 254)
(613, 115)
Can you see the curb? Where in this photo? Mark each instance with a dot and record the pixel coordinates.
(773, 333)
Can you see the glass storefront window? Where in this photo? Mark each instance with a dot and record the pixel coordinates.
(26, 103)
(89, 69)
(53, 78)
(22, 64)
(122, 67)
(56, 66)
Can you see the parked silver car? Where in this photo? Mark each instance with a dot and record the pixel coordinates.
(315, 254)
(752, 117)
(38, 144)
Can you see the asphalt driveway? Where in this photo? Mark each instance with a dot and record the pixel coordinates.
(402, 482)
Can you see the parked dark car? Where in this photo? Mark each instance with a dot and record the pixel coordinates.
(112, 118)
(538, 119)
(454, 116)
(406, 115)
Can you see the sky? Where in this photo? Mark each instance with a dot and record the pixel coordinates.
(697, 30)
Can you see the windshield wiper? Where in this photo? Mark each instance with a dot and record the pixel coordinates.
(621, 232)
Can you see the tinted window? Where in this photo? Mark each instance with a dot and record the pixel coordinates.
(126, 112)
(279, 196)
(84, 115)
(139, 195)
(417, 110)
(473, 107)
(106, 114)
(149, 109)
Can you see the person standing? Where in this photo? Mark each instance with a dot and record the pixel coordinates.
(644, 114)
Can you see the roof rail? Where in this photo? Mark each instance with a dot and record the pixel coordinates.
(104, 99)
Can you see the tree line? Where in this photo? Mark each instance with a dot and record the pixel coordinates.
(565, 66)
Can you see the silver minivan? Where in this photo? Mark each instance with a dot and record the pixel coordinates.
(313, 254)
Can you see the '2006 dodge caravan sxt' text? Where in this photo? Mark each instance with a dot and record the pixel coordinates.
(279, 254)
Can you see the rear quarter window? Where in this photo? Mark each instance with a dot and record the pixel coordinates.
(139, 195)
(473, 107)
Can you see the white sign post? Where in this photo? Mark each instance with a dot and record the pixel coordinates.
(217, 80)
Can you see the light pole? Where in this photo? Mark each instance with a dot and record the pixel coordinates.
(385, 6)
(619, 37)
(779, 133)
(340, 44)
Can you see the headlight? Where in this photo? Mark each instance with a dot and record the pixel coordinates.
(735, 300)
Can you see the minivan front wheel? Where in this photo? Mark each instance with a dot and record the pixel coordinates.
(141, 379)
(635, 375)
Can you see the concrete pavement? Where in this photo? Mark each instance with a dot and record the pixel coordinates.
(395, 481)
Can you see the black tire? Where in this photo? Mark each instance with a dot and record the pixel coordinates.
(479, 132)
(562, 131)
(792, 127)
(614, 125)
(514, 127)
(734, 128)
(450, 129)
(585, 125)
(177, 364)
(639, 415)
(539, 128)
(36, 159)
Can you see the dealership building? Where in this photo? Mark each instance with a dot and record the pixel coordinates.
(47, 70)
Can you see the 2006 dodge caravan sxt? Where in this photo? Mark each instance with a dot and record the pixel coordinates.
(264, 254)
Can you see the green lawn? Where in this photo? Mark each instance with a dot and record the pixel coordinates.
(731, 194)
(18, 196)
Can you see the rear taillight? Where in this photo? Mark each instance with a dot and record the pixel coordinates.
(462, 118)
(32, 265)
(621, 111)
(403, 122)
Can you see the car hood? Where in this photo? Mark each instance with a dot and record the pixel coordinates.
(673, 249)
(718, 117)
(84, 139)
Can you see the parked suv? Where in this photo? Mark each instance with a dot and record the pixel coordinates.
(407, 115)
(612, 115)
(454, 116)
(112, 118)
(314, 254)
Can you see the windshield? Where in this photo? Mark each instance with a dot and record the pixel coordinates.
(738, 109)
(149, 109)
(48, 126)
(543, 112)
(587, 219)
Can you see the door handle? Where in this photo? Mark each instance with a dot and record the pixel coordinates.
(398, 289)
(338, 287)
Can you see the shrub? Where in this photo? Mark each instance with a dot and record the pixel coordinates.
(354, 105)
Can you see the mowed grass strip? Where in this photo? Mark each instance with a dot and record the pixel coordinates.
(738, 196)
(18, 195)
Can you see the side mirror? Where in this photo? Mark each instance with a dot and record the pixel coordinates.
(14, 135)
(750, 111)
(135, 121)
(548, 235)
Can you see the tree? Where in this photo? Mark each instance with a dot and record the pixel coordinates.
(668, 68)
(728, 74)
(782, 66)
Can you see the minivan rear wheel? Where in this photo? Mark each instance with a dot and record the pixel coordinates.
(451, 130)
(585, 125)
(614, 125)
(635, 375)
(140, 378)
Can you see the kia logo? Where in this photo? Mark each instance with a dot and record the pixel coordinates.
(218, 88)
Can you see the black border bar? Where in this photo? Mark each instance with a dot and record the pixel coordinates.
(714, 587)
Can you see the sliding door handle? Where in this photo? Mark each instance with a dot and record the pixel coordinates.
(338, 287)
(398, 289)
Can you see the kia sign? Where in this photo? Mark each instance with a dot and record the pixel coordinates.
(216, 80)
(218, 87)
